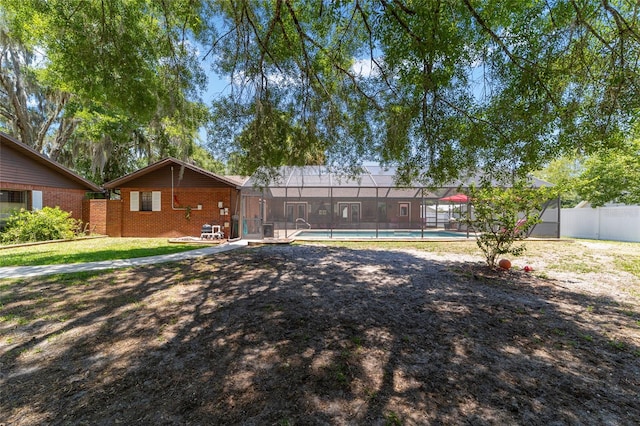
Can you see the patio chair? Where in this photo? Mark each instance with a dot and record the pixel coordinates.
(217, 232)
(206, 232)
(211, 232)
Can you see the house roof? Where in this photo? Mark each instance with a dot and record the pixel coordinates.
(370, 177)
(46, 161)
(235, 182)
(239, 180)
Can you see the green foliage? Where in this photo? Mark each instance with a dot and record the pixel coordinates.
(604, 176)
(40, 225)
(120, 79)
(272, 138)
(562, 173)
(611, 176)
(203, 159)
(501, 217)
(438, 88)
(124, 53)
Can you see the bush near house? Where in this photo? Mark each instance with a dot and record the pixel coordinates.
(25, 226)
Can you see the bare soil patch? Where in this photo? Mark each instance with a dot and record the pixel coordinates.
(312, 335)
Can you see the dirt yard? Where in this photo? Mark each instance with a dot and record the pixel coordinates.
(314, 335)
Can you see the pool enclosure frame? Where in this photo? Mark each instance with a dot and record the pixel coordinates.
(315, 198)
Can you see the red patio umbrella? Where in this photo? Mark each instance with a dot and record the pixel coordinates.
(457, 198)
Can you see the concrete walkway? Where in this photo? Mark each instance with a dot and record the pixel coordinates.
(40, 270)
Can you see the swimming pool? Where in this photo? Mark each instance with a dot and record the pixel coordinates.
(382, 233)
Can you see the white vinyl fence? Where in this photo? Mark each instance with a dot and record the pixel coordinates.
(620, 223)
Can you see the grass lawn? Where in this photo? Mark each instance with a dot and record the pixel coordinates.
(558, 255)
(89, 250)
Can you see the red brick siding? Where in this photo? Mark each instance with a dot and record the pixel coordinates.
(114, 218)
(96, 216)
(171, 221)
(69, 200)
(86, 211)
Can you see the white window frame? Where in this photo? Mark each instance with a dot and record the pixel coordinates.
(156, 201)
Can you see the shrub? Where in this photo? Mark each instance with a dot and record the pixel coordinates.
(41, 225)
(503, 216)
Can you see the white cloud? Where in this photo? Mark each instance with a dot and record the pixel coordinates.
(366, 68)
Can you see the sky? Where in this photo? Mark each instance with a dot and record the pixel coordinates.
(217, 86)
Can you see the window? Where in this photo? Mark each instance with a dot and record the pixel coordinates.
(296, 211)
(11, 201)
(145, 201)
(349, 212)
(322, 209)
(13, 197)
(404, 209)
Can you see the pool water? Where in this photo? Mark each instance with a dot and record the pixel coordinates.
(383, 233)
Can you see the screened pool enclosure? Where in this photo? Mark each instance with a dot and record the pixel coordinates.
(314, 202)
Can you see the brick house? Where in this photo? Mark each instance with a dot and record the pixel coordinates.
(32, 181)
(171, 198)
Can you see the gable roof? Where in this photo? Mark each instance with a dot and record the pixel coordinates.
(37, 157)
(167, 162)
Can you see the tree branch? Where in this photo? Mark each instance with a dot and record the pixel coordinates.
(588, 26)
(371, 47)
(304, 36)
(402, 23)
(510, 55)
(621, 23)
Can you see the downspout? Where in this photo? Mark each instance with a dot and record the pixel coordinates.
(173, 207)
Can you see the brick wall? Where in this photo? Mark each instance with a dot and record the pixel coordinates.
(95, 215)
(86, 211)
(113, 226)
(69, 200)
(171, 220)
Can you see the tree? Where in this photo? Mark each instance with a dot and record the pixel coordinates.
(446, 86)
(124, 76)
(438, 88)
(562, 173)
(270, 137)
(611, 176)
(31, 110)
(501, 217)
